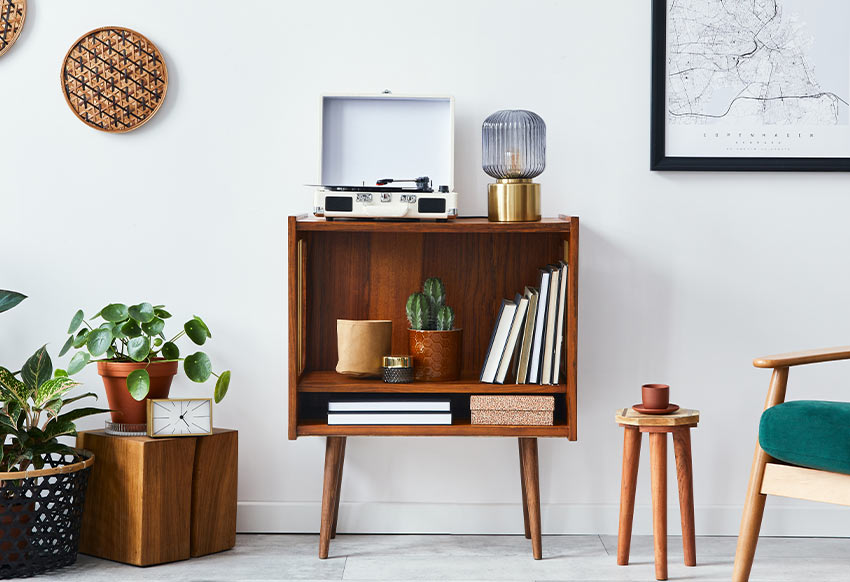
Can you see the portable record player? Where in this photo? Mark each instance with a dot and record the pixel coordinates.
(366, 138)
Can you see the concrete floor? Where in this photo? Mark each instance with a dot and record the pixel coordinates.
(444, 557)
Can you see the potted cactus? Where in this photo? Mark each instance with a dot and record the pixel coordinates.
(434, 342)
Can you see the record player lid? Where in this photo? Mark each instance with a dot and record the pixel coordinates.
(369, 137)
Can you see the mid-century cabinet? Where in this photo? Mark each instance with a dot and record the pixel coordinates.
(365, 270)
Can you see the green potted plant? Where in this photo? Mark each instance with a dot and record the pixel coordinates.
(434, 343)
(136, 360)
(42, 480)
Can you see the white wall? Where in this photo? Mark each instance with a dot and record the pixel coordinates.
(684, 278)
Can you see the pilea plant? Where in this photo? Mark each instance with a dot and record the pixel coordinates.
(136, 333)
(427, 310)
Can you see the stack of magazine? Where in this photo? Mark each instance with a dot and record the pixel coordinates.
(389, 412)
(528, 337)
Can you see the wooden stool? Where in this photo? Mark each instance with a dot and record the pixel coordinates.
(679, 423)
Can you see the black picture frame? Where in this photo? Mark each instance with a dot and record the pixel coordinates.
(660, 161)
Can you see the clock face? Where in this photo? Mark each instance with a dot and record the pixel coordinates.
(180, 417)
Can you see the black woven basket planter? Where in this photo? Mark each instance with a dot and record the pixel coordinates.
(40, 515)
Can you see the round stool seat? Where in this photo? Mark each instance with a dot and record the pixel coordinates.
(682, 417)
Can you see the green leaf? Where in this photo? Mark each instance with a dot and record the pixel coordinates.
(76, 321)
(7, 425)
(201, 321)
(157, 342)
(53, 388)
(131, 329)
(154, 326)
(54, 405)
(78, 413)
(161, 313)
(139, 347)
(110, 353)
(198, 367)
(60, 373)
(143, 312)
(196, 331)
(80, 338)
(78, 362)
(221, 386)
(139, 383)
(170, 351)
(80, 397)
(115, 312)
(8, 299)
(37, 370)
(12, 389)
(55, 428)
(66, 346)
(99, 341)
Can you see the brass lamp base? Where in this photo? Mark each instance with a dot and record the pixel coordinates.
(513, 200)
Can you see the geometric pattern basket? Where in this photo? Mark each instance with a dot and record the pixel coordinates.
(41, 515)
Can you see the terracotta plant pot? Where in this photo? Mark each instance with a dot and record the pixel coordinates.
(436, 354)
(655, 396)
(125, 408)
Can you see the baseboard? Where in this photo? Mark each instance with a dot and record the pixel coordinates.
(493, 518)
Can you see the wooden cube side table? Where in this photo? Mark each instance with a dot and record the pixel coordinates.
(152, 501)
(679, 424)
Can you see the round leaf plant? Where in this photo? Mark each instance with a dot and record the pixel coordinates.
(136, 333)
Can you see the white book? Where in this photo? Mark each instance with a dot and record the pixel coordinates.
(559, 336)
(390, 406)
(521, 371)
(377, 418)
(549, 342)
(498, 341)
(513, 338)
(539, 324)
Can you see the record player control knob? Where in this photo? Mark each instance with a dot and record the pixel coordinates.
(443, 189)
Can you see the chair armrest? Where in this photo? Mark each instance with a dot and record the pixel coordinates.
(803, 357)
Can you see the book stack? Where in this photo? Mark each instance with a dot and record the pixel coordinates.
(389, 412)
(528, 337)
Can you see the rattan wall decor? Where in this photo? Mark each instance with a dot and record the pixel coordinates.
(114, 79)
(12, 16)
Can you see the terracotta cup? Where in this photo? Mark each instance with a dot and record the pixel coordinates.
(655, 396)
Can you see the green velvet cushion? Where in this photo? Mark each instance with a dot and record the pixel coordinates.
(808, 433)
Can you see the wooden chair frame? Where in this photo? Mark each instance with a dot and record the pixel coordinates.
(772, 477)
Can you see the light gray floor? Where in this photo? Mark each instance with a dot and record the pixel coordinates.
(443, 557)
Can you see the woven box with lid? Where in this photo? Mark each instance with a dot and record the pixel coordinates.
(511, 409)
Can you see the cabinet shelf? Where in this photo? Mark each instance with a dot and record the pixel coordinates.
(460, 427)
(326, 381)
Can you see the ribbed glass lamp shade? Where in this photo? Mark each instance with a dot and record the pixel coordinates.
(513, 144)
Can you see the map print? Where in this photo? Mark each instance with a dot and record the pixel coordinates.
(745, 61)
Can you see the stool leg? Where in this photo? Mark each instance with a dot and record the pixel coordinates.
(524, 496)
(658, 462)
(631, 459)
(685, 476)
(528, 446)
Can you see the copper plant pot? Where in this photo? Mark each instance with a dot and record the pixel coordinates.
(125, 408)
(436, 354)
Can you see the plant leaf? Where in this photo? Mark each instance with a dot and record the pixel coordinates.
(66, 346)
(160, 312)
(58, 372)
(12, 389)
(198, 367)
(115, 312)
(78, 362)
(8, 299)
(143, 312)
(196, 331)
(55, 428)
(154, 326)
(170, 351)
(53, 388)
(80, 397)
(139, 347)
(131, 329)
(80, 338)
(201, 321)
(37, 370)
(221, 386)
(99, 341)
(76, 321)
(79, 413)
(139, 383)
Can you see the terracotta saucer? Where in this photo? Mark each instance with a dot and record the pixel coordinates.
(670, 408)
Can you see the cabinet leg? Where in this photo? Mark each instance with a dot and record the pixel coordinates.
(333, 452)
(338, 487)
(524, 496)
(685, 476)
(658, 462)
(531, 477)
(631, 459)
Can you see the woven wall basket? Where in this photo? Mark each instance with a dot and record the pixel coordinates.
(114, 79)
(12, 16)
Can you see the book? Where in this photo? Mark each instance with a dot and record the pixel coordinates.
(513, 338)
(549, 334)
(498, 340)
(521, 372)
(537, 342)
(336, 418)
(559, 332)
(389, 406)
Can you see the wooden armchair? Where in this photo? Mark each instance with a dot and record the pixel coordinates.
(770, 476)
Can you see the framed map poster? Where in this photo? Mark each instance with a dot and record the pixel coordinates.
(750, 85)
